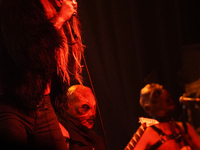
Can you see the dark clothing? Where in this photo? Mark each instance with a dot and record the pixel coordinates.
(28, 45)
(82, 139)
(38, 130)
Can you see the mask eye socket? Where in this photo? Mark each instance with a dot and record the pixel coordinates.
(85, 107)
(156, 94)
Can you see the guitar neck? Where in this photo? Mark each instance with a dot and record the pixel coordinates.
(136, 137)
(145, 122)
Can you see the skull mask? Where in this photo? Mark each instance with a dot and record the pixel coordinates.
(156, 101)
(81, 106)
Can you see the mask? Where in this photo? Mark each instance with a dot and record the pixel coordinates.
(156, 101)
(81, 106)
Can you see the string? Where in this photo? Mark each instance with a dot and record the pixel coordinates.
(106, 142)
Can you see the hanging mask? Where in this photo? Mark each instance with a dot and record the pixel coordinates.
(81, 106)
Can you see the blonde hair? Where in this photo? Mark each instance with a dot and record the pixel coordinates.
(63, 54)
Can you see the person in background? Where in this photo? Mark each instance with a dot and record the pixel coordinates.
(40, 54)
(77, 117)
(167, 133)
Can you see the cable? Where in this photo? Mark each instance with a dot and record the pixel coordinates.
(96, 101)
(90, 80)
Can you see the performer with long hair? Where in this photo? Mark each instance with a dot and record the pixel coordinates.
(40, 54)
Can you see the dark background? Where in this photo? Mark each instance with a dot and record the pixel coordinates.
(133, 42)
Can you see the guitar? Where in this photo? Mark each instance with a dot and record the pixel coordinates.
(145, 122)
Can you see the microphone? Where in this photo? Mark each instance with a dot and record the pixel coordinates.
(72, 29)
(184, 99)
(70, 21)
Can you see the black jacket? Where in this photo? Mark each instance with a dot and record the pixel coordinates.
(82, 139)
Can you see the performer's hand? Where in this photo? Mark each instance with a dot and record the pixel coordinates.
(67, 10)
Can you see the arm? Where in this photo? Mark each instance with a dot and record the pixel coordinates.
(64, 15)
(194, 137)
(144, 140)
(136, 137)
(148, 139)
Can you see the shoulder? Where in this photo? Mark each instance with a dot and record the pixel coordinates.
(146, 139)
(191, 131)
(150, 132)
(185, 126)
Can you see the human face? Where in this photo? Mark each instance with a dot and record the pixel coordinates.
(82, 110)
